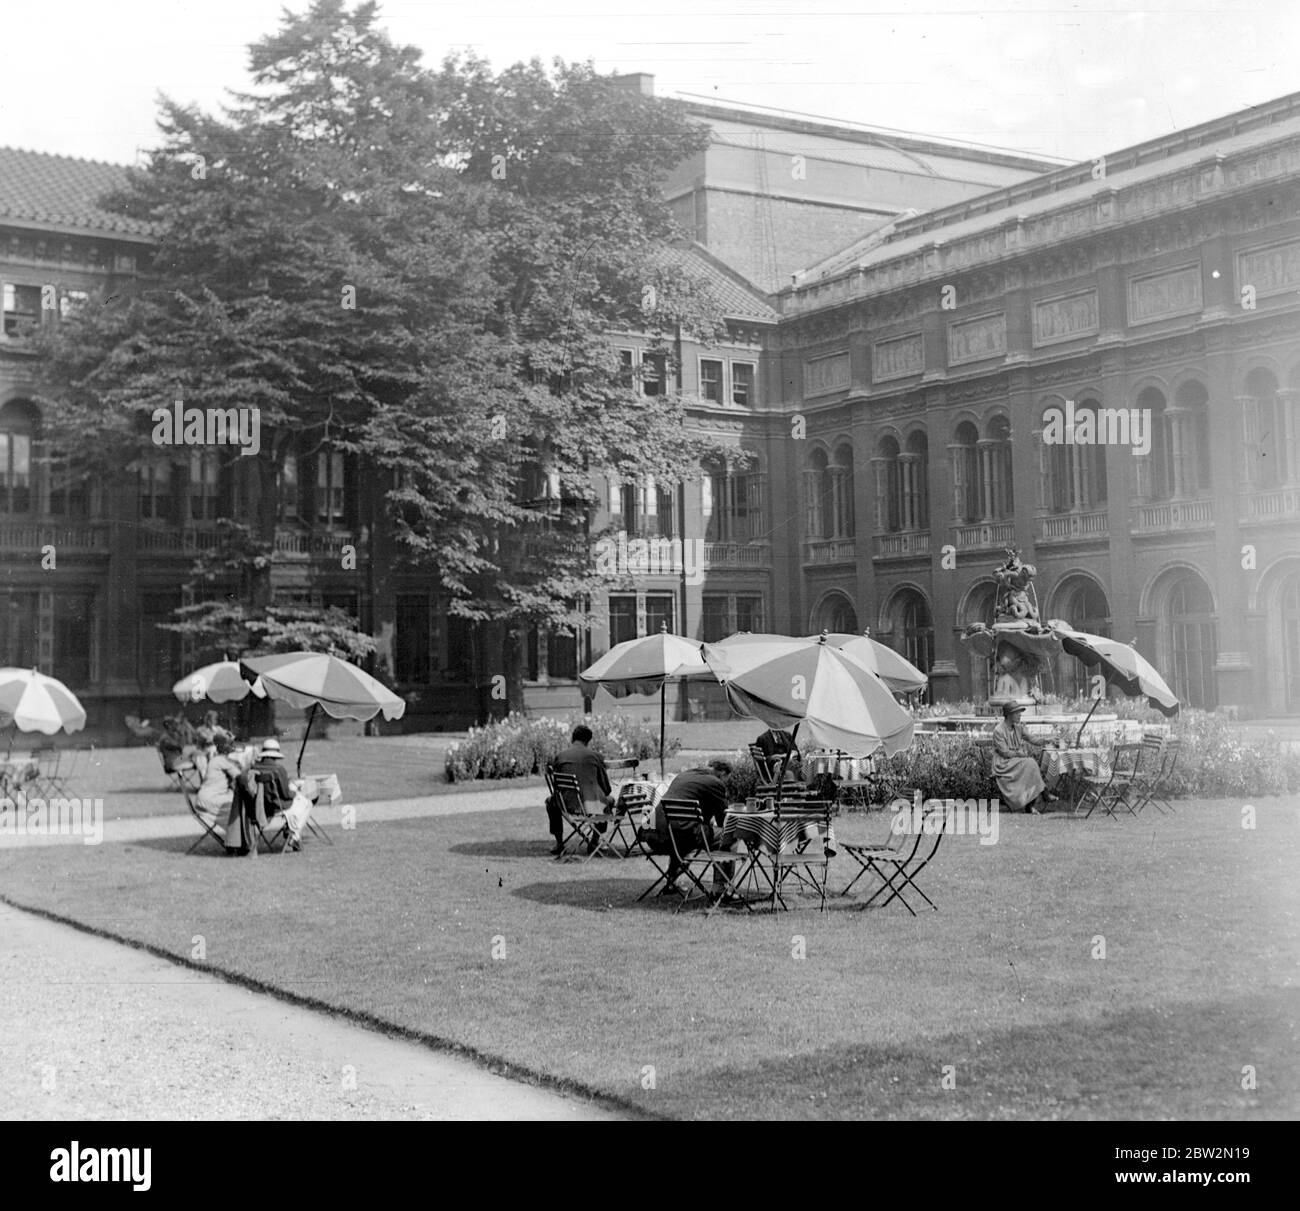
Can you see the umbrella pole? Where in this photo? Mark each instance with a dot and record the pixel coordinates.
(785, 761)
(302, 748)
(663, 707)
(1079, 738)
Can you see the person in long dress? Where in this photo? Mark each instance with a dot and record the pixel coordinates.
(1015, 764)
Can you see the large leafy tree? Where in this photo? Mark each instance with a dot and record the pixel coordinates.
(418, 267)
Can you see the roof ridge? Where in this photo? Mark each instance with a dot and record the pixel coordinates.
(59, 155)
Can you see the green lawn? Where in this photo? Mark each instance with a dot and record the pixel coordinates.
(397, 923)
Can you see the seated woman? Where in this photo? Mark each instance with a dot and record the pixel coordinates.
(1020, 782)
(218, 773)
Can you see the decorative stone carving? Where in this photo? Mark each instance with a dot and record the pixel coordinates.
(1159, 296)
(897, 358)
(824, 374)
(1065, 318)
(1271, 270)
(977, 339)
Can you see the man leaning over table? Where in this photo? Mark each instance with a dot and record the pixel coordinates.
(706, 786)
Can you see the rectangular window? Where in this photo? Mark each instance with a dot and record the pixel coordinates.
(562, 656)
(156, 502)
(22, 306)
(158, 655)
(629, 502)
(533, 657)
(15, 472)
(622, 617)
(73, 630)
(711, 380)
(329, 489)
(461, 635)
(72, 301)
(347, 602)
(18, 629)
(626, 367)
(69, 493)
(658, 611)
(204, 475)
(716, 617)
(289, 488)
(653, 374)
(742, 383)
(749, 612)
(412, 649)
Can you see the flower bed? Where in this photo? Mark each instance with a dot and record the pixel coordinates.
(519, 745)
(1218, 761)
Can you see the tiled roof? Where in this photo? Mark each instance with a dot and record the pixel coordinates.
(61, 192)
(739, 299)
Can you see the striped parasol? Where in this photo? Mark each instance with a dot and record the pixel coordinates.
(33, 702)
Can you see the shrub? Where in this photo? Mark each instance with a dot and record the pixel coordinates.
(519, 745)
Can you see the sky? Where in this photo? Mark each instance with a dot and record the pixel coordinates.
(1049, 77)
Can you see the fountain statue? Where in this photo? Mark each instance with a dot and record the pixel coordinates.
(1016, 643)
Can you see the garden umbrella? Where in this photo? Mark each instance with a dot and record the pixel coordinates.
(1121, 663)
(34, 702)
(791, 683)
(219, 682)
(320, 681)
(642, 666)
(902, 676)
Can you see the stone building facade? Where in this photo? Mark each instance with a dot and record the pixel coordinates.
(894, 394)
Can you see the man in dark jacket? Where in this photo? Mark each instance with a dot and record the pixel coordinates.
(593, 780)
(705, 786)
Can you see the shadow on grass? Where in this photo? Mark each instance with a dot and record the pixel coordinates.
(596, 894)
(509, 847)
(1181, 1059)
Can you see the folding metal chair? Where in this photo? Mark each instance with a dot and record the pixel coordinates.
(685, 820)
(261, 828)
(898, 868)
(71, 766)
(1115, 787)
(208, 821)
(45, 782)
(578, 821)
(805, 816)
(1159, 766)
(183, 774)
(765, 765)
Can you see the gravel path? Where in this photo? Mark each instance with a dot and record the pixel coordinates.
(102, 1031)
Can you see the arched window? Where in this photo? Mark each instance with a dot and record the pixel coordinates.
(999, 499)
(19, 423)
(1073, 473)
(902, 493)
(1082, 603)
(967, 495)
(816, 495)
(733, 502)
(836, 615)
(1265, 426)
(1154, 470)
(1190, 442)
(978, 607)
(1187, 637)
(911, 629)
(841, 473)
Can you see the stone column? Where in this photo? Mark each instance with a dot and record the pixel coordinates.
(1174, 418)
(1248, 410)
(986, 478)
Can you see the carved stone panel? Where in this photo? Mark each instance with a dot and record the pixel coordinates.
(897, 358)
(1270, 270)
(1159, 296)
(977, 339)
(1065, 318)
(824, 374)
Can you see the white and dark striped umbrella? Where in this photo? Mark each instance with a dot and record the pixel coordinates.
(1120, 663)
(812, 686)
(322, 682)
(902, 676)
(219, 682)
(33, 702)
